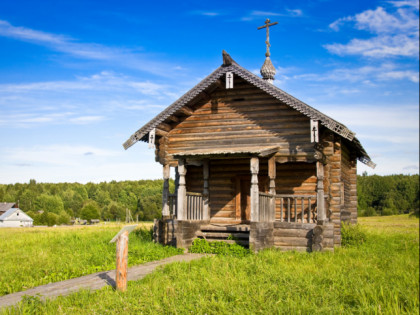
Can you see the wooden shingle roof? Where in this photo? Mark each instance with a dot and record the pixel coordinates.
(265, 86)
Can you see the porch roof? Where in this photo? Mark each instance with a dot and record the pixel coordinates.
(246, 151)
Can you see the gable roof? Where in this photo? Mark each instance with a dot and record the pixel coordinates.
(267, 87)
(9, 212)
(4, 206)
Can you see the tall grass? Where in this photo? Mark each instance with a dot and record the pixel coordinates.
(377, 276)
(36, 256)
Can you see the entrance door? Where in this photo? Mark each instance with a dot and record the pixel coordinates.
(243, 198)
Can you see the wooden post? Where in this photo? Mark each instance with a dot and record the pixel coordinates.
(182, 190)
(255, 165)
(206, 208)
(122, 256)
(165, 192)
(272, 176)
(320, 192)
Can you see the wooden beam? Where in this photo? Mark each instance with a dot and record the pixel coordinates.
(164, 126)
(174, 118)
(186, 110)
(161, 132)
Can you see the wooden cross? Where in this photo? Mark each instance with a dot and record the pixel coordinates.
(267, 42)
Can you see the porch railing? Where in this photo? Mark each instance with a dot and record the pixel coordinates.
(173, 205)
(267, 211)
(296, 208)
(194, 206)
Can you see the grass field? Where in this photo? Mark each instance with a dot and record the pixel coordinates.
(36, 256)
(380, 276)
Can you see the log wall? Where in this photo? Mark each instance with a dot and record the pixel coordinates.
(349, 180)
(240, 118)
(297, 236)
(335, 187)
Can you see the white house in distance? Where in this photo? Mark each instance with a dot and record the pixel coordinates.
(11, 216)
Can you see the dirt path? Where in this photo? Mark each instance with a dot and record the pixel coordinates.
(93, 282)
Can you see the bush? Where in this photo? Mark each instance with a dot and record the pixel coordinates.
(352, 235)
(369, 212)
(387, 211)
(220, 248)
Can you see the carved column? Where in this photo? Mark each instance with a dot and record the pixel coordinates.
(182, 191)
(165, 193)
(206, 208)
(255, 165)
(320, 191)
(272, 176)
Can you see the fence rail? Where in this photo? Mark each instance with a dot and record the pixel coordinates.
(297, 208)
(194, 206)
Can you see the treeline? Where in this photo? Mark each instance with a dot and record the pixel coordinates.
(59, 203)
(387, 195)
(51, 204)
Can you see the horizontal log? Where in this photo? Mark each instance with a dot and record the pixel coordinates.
(292, 241)
(295, 133)
(292, 233)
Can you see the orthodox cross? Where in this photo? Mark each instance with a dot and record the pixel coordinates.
(267, 42)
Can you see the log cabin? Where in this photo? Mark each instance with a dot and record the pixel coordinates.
(253, 165)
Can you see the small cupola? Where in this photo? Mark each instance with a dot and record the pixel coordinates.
(267, 70)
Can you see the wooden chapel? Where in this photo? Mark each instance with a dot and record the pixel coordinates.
(253, 164)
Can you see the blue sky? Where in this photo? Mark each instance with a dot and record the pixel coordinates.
(77, 78)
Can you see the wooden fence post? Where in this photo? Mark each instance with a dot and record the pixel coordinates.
(122, 256)
(121, 240)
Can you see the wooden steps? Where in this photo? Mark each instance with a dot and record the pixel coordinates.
(232, 234)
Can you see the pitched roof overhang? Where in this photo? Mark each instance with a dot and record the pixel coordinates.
(269, 88)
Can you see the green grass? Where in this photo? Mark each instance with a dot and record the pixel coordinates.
(377, 276)
(36, 256)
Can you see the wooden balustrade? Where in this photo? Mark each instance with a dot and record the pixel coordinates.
(194, 206)
(172, 201)
(296, 208)
(266, 209)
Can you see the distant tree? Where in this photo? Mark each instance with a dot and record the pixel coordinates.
(90, 211)
(63, 218)
(49, 203)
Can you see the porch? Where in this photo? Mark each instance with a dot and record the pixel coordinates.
(264, 217)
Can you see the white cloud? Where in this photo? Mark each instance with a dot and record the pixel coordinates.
(84, 100)
(406, 3)
(372, 116)
(56, 155)
(382, 72)
(380, 46)
(77, 163)
(287, 13)
(395, 34)
(90, 51)
(86, 119)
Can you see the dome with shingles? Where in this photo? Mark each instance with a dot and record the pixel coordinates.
(267, 70)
